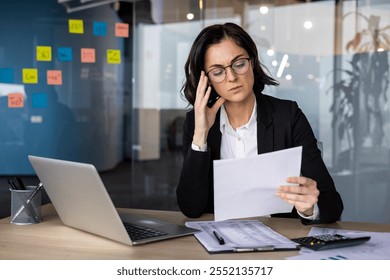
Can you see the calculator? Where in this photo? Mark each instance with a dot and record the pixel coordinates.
(329, 241)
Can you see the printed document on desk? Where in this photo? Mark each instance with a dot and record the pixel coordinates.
(239, 236)
(246, 187)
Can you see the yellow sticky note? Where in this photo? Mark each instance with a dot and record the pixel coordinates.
(30, 75)
(54, 77)
(43, 53)
(88, 55)
(76, 26)
(15, 100)
(122, 30)
(113, 56)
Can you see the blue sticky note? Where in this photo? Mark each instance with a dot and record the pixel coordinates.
(6, 75)
(65, 54)
(99, 28)
(39, 100)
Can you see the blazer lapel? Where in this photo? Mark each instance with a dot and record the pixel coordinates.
(265, 127)
(214, 138)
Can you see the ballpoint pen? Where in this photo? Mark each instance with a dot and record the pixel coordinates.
(220, 238)
(20, 182)
(26, 203)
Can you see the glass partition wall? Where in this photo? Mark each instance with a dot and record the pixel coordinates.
(329, 56)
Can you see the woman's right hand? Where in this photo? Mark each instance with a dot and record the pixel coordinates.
(204, 116)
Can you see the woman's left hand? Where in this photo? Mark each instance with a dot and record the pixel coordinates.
(303, 196)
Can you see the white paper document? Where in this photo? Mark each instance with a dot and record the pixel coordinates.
(246, 187)
(239, 236)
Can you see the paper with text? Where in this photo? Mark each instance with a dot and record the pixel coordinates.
(240, 234)
(246, 187)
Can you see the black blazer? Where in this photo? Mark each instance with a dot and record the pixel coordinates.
(280, 125)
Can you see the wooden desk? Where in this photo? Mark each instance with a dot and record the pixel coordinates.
(50, 239)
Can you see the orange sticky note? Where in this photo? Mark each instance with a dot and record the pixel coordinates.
(54, 77)
(30, 75)
(113, 56)
(76, 26)
(88, 55)
(122, 30)
(43, 53)
(15, 100)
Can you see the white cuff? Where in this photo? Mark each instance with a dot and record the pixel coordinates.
(202, 148)
(315, 216)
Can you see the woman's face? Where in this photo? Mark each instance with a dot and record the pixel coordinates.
(235, 87)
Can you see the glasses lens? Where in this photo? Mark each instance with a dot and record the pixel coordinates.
(217, 75)
(241, 66)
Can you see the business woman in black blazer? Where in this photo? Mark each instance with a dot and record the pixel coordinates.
(224, 60)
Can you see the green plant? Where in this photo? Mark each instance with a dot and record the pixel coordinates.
(360, 92)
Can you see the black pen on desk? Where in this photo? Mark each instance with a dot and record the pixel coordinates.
(220, 239)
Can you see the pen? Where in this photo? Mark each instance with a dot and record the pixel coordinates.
(28, 204)
(20, 182)
(24, 203)
(220, 239)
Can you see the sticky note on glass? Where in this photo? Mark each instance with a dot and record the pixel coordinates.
(54, 77)
(76, 26)
(88, 55)
(113, 56)
(65, 54)
(30, 75)
(6, 75)
(99, 28)
(39, 100)
(43, 53)
(121, 30)
(15, 100)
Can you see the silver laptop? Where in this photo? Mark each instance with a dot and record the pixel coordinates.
(81, 201)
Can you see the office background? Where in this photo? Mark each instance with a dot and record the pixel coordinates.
(124, 115)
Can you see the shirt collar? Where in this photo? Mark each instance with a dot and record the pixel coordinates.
(224, 120)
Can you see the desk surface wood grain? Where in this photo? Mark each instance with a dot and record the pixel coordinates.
(51, 239)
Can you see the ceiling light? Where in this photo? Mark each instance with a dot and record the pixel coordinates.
(270, 52)
(308, 24)
(282, 66)
(263, 10)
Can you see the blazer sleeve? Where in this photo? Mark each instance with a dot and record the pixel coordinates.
(193, 191)
(329, 201)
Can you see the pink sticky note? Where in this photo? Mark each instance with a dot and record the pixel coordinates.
(122, 30)
(15, 100)
(54, 77)
(88, 55)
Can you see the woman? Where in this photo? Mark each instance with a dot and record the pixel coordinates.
(242, 122)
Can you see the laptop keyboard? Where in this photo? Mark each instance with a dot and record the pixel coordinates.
(137, 232)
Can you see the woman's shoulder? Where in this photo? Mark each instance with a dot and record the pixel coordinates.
(276, 104)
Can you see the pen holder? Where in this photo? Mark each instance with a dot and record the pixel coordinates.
(26, 206)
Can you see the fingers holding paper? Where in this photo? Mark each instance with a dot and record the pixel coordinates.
(303, 195)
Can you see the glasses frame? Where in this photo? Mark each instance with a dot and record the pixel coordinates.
(231, 66)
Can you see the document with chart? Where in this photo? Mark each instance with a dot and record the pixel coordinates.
(246, 187)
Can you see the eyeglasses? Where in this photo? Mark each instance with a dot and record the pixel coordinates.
(218, 74)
